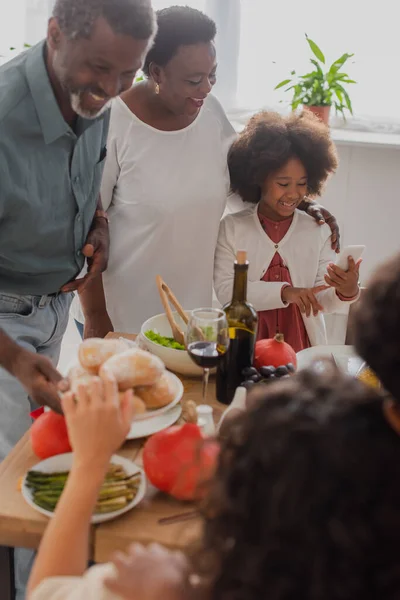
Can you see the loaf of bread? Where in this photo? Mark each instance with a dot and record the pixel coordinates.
(93, 352)
(139, 405)
(134, 368)
(158, 395)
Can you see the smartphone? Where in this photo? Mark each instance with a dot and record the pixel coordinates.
(355, 251)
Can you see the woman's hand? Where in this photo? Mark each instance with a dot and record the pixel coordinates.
(345, 282)
(322, 216)
(151, 573)
(98, 422)
(304, 298)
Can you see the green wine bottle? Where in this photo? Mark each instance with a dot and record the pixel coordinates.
(242, 322)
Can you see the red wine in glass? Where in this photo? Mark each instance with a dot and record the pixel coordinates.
(206, 354)
(207, 340)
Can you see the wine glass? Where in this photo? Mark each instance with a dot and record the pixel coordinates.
(207, 340)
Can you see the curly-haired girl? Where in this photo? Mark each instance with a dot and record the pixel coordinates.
(275, 164)
(306, 502)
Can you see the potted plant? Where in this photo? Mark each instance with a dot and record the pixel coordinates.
(319, 89)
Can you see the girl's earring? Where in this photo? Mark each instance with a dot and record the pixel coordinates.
(157, 88)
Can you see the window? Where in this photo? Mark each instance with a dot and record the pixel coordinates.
(272, 43)
(259, 42)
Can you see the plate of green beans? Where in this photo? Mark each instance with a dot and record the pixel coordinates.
(123, 488)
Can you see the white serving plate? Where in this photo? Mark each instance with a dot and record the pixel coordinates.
(178, 361)
(345, 357)
(63, 462)
(140, 429)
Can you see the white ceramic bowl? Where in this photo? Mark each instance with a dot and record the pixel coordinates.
(175, 360)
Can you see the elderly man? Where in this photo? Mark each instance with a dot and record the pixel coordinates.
(54, 103)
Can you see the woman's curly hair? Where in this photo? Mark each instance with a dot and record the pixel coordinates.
(376, 325)
(306, 502)
(269, 141)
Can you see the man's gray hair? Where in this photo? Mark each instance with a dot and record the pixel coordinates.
(126, 17)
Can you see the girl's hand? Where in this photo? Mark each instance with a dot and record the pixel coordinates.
(304, 298)
(345, 282)
(97, 421)
(151, 573)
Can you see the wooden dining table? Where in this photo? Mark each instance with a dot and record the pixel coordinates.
(22, 527)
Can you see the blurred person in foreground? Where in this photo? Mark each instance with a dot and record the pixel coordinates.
(305, 503)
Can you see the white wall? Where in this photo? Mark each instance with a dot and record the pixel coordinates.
(364, 195)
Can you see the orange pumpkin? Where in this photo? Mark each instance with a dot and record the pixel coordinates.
(275, 352)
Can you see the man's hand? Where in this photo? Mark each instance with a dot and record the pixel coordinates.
(322, 216)
(38, 376)
(96, 251)
(304, 298)
(345, 282)
(97, 325)
(152, 573)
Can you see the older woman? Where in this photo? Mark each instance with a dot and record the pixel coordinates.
(166, 182)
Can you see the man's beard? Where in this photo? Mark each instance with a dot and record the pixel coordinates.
(76, 103)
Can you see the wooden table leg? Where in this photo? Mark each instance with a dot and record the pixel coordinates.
(7, 573)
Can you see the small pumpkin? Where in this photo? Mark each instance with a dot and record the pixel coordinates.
(275, 352)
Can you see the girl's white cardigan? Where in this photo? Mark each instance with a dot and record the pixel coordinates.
(305, 249)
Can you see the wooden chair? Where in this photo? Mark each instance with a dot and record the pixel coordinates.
(349, 331)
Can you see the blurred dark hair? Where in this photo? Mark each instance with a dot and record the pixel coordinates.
(76, 18)
(269, 141)
(178, 26)
(376, 325)
(306, 502)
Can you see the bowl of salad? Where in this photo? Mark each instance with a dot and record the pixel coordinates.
(156, 337)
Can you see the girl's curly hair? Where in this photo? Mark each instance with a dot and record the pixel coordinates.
(377, 325)
(269, 141)
(306, 502)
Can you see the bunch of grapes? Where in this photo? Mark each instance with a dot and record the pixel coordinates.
(265, 374)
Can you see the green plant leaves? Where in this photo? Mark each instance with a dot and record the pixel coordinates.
(338, 64)
(282, 84)
(317, 88)
(316, 50)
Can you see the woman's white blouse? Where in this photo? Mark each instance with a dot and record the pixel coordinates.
(165, 193)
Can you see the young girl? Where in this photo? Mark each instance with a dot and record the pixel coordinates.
(306, 503)
(275, 164)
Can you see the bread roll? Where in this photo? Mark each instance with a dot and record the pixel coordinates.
(79, 376)
(94, 352)
(76, 372)
(133, 368)
(158, 395)
(138, 404)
